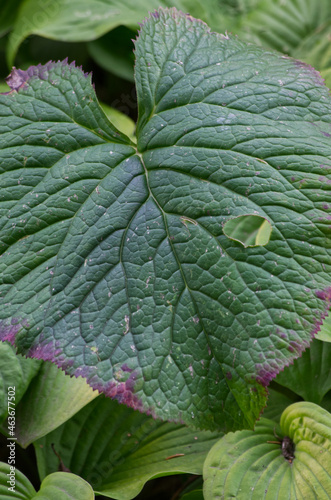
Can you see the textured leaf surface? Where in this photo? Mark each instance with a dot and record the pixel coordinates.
(51, 400)
(286, 25)
(23, 489)
(251, 465)
(117, 449)
(115, 265)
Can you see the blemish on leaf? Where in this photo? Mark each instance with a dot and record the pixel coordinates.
(9, 332)
(122, 392)
(46, 351)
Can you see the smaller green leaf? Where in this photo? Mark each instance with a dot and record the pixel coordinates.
(289, 462)
(64, 486)
(15, 371)
(56, 486)
(325, 332)
(51, 400)
(121, 121)
(14, 484)
(249, 230)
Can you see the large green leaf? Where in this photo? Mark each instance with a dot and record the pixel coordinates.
(117, 449)
(51, 400)
(57, 486)
(250, 465)
(115, 265)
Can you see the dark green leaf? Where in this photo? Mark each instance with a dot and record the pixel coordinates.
(115, 265)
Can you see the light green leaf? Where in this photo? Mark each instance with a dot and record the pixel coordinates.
(51, 400)
(57, 486)
(121, 121)
(21, 488)
(64, 486)
(249, 230)
(324, 333)
(121, 449)
(16, 373)
(77, 20)
(250, 465)
(114, 261)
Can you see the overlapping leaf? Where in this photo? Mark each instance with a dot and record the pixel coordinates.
(115, 264)
(16, 373)
(51, 400)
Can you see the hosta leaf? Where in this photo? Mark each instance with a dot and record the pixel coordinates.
(285, 25)
(64, 486)
(15, 371)
(251, 465)
(115, 265)
(77, 20)
(325, 331)
(21, 489)
(51, 400)
(118, 450)
(310, 375)
(57, 486)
